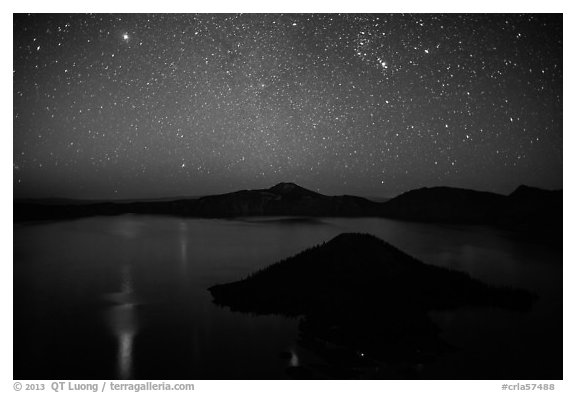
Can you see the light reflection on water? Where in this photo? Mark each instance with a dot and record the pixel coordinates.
(183, 238)
(151, 274)
(294, 361)
(123, 320)
(125, 343)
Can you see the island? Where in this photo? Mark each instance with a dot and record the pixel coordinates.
(363, 304)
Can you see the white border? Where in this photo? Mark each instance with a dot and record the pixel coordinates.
(131, 6)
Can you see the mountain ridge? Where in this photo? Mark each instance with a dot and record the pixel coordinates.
(523, 209)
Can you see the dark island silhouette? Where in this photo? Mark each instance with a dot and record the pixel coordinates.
(526, 209)
(364, 304)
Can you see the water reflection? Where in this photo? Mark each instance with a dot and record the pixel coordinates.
(294, 362)
(125, 338)
(169, 262)
(127, 282)
(129, 228)
(183, 239)
(123, 321)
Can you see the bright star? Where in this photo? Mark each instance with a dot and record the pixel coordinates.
(125, 36)
(383, 63)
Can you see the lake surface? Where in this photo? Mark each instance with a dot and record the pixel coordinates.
(126, 297)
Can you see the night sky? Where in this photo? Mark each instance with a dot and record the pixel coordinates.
(146, 106)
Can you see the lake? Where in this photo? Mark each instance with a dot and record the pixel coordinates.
(125, 297)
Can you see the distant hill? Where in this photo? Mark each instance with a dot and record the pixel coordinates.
(530, 203)
(284, 199)
(364, 296)
(533, 211)
(445, 204)
(524, 209)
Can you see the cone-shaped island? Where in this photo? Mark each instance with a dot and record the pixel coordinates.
(364, 296)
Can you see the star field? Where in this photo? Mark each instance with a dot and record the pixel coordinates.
(138, 106)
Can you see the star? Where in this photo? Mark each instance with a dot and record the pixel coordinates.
(300, 101)
(383, 63)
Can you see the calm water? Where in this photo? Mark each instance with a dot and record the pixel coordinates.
(125, 297)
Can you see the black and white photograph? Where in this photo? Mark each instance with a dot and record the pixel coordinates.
(288, 196)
